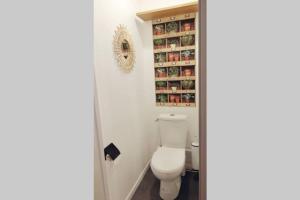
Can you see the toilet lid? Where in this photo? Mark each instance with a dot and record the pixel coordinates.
(168, 160)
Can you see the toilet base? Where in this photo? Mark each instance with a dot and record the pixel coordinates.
(169, 190)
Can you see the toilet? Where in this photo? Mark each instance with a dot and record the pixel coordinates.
(168, 161)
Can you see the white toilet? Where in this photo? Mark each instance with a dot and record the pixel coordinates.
(168, 162)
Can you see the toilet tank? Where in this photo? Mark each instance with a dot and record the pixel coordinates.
(173, 130)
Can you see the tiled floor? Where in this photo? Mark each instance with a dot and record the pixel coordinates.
(149, 188)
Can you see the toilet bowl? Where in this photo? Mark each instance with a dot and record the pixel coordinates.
(167, 165)
(168, 161)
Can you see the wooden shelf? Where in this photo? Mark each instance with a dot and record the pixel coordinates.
(174, 18)
(170, 35)
(162, 50)
(177, 104)
(164, 93)
(181, 78)
(179, 9)
(179, 63)
(171, 92)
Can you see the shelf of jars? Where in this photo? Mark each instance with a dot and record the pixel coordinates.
(176, 92)
(174, 60)
(175, 73)
(184, 99)
(175, 86)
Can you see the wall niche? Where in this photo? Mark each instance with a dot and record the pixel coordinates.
(175, 60)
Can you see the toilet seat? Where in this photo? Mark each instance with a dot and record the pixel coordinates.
(168, 162)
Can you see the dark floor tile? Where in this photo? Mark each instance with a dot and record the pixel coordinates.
(149, 188)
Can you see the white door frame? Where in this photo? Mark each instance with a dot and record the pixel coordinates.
(99, 139)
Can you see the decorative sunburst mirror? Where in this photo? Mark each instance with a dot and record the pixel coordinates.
(124, 49)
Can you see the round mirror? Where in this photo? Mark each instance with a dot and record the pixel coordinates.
(123, 48)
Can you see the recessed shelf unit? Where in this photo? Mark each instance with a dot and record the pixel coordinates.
(175, 60)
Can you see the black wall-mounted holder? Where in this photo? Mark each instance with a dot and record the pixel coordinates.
(111, 151)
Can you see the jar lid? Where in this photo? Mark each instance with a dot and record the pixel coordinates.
(195, 144)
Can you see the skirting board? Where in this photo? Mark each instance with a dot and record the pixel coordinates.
(138, 182)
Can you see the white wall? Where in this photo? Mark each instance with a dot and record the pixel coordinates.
(120, 97)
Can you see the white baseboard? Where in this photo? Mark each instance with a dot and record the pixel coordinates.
(138, 182)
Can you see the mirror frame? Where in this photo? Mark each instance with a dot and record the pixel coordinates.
(126, 62)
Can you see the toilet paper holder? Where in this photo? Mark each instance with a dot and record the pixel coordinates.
(111, 152)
